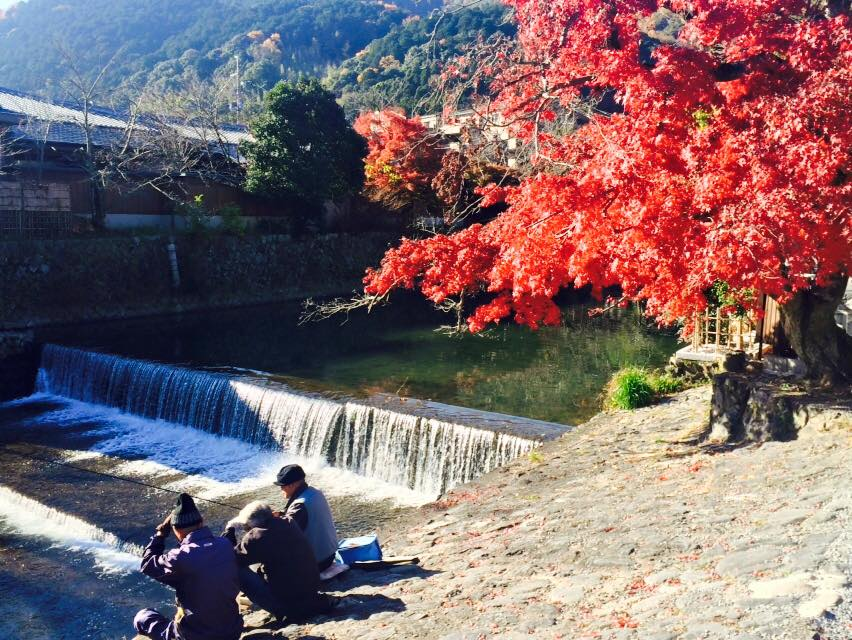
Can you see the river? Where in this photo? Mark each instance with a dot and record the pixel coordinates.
(384, 412)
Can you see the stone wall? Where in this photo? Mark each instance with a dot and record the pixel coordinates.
(59, 281)
(27, 208)
(18, 364)
(26, 196)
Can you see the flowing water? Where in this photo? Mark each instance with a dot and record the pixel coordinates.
(383, 413)
(554, 374)
(427, 455)
(31, 518)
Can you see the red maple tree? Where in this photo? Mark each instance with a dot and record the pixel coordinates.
(403, 158)
(725, 159)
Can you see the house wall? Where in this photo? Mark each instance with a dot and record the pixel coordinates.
(122, 201)
(58, 281)
(25, 196)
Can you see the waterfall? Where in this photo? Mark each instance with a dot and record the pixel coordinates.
(426, 454)
(32, 518)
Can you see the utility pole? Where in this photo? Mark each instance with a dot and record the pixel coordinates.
(238, 94)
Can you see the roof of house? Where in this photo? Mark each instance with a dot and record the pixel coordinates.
(33, 118)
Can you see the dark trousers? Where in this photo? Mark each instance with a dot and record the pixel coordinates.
(153, 624)
(322, 565)
(257, 590)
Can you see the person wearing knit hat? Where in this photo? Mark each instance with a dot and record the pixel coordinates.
(203, 571)
(185, 515)
(308, 508)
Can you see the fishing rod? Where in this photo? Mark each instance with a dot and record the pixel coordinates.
(115, 477)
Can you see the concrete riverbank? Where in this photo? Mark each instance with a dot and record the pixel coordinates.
(622, 529)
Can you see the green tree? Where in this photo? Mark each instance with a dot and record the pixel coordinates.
(303, 147)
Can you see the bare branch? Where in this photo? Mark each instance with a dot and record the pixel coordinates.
(313, 311)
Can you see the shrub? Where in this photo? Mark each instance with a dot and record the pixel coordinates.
(634, 387)
(195, 214)
(665, 383)
(629, 388)
(232, 220)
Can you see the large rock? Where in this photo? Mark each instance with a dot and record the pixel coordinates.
(758, 409)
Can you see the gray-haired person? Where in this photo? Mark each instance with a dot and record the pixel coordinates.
(287, 582)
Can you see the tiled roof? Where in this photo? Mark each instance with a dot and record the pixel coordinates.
(38, 119)
(32, 107)
(63, 133)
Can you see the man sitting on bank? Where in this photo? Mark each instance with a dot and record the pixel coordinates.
(203, 572)
(287, 583)
(308, 508)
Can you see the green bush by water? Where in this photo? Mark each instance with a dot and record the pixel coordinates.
(634, 387)
(629, 388)
(665, 384)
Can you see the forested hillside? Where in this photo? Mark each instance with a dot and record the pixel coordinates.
(400, 68)
(167, 40)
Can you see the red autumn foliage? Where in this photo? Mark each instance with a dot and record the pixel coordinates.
(402, 158)
(728, 161)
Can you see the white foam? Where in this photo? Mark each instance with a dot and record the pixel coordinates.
(32, 518)
(38, 396)
(215, 466)
(82, 456)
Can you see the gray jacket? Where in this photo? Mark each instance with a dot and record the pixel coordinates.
(309, 509)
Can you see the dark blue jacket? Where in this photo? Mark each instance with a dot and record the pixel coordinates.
(203, 572)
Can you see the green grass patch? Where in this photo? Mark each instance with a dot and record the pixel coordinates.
(629, 388)
(665, 384)
(634, 387)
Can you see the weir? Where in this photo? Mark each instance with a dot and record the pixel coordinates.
(32, 518)
(422, 452)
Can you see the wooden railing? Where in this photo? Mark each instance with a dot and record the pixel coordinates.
(722, 332)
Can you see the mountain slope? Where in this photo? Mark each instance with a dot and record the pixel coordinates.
(401, 68)
(163, 40)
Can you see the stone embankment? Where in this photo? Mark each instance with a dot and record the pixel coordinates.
(59, 281)
(623, 528)
(17, 364)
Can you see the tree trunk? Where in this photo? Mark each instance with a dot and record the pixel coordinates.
(808, 322)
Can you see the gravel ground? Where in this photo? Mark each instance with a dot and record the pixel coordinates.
(621, 529)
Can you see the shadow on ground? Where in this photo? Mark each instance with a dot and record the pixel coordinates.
(355, 578)
(353, 606)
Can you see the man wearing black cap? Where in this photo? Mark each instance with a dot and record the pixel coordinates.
(203, 572)
(308, 508)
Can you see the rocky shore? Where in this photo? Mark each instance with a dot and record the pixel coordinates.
(624, 528)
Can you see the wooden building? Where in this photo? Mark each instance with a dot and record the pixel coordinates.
(40, 149)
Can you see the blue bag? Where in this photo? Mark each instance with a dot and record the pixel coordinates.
(359, 549)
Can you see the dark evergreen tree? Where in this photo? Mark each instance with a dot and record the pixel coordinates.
(304, 149)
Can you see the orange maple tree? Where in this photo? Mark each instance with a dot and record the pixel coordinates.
(403, 157)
